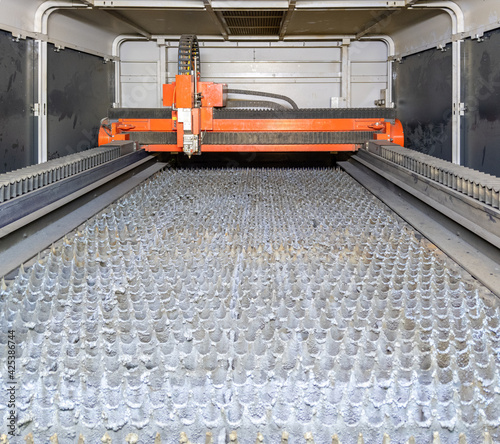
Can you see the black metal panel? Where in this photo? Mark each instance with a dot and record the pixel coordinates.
(481, 81)
(305, 113)
(79, 93)
(17, 148)
(423, 88)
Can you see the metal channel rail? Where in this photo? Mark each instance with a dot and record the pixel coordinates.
(41, 203)
(455, 207)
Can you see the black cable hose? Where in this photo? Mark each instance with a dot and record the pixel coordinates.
(234, 103)
(264, 94)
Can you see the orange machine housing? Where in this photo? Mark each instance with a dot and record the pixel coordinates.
(196, 121)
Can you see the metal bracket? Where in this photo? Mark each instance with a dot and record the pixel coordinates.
(35, 109)
(462, 108)
(479, 37)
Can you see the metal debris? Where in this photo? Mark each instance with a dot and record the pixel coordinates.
(208, 300)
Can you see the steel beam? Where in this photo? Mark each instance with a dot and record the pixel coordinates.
(335, 4)
(218, 19)
(183, 4)
(131, 23)
(286, 19)
(376, 23)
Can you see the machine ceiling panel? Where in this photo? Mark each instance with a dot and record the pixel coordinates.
(353, 21)
(327, 22)
(98, 18)
(403, 19)
(172, 22)
(249, 22)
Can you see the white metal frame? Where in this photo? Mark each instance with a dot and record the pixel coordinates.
(40, 108)
(42, 14)
(343, 42)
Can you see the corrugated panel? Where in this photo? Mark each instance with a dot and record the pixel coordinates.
(253, 22)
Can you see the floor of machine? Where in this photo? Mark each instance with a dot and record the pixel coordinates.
(256, 300)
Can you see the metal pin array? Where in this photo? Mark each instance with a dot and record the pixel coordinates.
(251, 300)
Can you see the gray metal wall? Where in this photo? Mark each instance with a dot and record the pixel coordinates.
(482, 98)
(79, 92)
(423, 96)
(17, 145)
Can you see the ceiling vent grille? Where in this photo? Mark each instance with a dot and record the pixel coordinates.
(253, 22)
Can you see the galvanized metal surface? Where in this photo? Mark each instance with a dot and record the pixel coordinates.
(257, 301)
(25, 180)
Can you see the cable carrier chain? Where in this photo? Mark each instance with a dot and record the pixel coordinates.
(195, 119)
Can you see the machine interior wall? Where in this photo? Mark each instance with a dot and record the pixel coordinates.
(79, 91)
(17, 147)
(308, 72)
(482, 98)
(423, 96)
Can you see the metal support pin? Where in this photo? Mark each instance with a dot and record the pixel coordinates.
(106, 439)
(233, 437)
(435, 438)
(335, 439)
(487, 438)
(309, 438)
(81, 439)
(260, 438)
(54, 439)
(29, 439)
(284, 437)
(184, 439)
(411, 440)
(209, 438)
(132, 438)
(386, 439)
(4, 439)
(462, 439)
(361, 439)
(157, 438)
